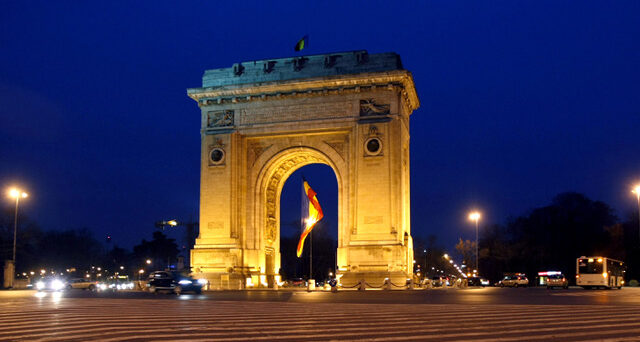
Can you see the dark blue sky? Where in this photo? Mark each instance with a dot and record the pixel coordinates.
(520, 101)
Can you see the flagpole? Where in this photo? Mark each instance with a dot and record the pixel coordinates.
(310, 255)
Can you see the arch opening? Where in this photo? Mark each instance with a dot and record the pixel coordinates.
(324, 235)
(286, 167)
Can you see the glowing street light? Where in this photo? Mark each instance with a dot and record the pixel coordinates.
(16, 194)
(475, 216)
(425, 263)
(636, 190)
(148, 261)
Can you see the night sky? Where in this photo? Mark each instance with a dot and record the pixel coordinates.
(520, 100)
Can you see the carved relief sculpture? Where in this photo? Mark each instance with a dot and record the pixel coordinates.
(221, 118)
(370, 107)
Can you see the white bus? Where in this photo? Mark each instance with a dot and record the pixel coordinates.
(593, 272)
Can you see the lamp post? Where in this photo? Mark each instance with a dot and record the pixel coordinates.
(16, 194)
(475, 216)
(425, 263)
(636, 191)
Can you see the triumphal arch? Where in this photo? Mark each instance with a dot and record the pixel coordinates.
(262, 120)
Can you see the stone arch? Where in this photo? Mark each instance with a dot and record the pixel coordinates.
(268, 187)
(266, 121)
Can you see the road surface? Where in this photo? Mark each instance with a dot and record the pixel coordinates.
(490, 314)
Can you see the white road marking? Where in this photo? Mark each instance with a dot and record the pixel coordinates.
(105, 319)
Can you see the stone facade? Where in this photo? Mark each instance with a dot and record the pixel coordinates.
(262, 120)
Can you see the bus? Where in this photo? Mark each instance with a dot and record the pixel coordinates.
(594, 272)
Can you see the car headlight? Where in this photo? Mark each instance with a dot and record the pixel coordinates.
(102, 286)
(202, 281)
(185, 282)
(40, 285)
(57, 284)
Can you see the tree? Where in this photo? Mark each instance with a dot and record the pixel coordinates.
(494, 252)
(435, 253)
(117, 257)
(160, 250)
(68, 249)
(551, 237)
(467, 249)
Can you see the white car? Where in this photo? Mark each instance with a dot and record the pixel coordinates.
(50, 284)
(84, 284)
(514, 281)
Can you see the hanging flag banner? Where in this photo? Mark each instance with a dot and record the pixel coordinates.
(302, 43)
(314, 214)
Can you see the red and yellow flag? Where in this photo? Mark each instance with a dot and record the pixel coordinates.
(315, 215)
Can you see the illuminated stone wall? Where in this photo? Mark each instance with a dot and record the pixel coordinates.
(262, 120)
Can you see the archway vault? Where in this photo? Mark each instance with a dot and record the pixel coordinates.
(273, 181)
(269, 189)
(255, 134)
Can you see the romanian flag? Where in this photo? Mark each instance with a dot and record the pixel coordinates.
(302, 43)
(315, 215)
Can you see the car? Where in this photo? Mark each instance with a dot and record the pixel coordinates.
(437, 281)
(174, 282)
(81, 283)
(477, 281)
(557, 280)
(119, 283)
(516, 280)
(297, 282)
(50, 284)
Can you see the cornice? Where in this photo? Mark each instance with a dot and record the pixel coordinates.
(401, 80)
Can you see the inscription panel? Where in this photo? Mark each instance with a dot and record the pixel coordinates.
(296, 112)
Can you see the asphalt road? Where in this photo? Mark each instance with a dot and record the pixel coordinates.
(489, 314)
(487, 295)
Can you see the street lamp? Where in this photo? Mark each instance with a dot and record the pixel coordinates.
(636, 191)
(425, 263)
(475, 216)
(17, 194)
